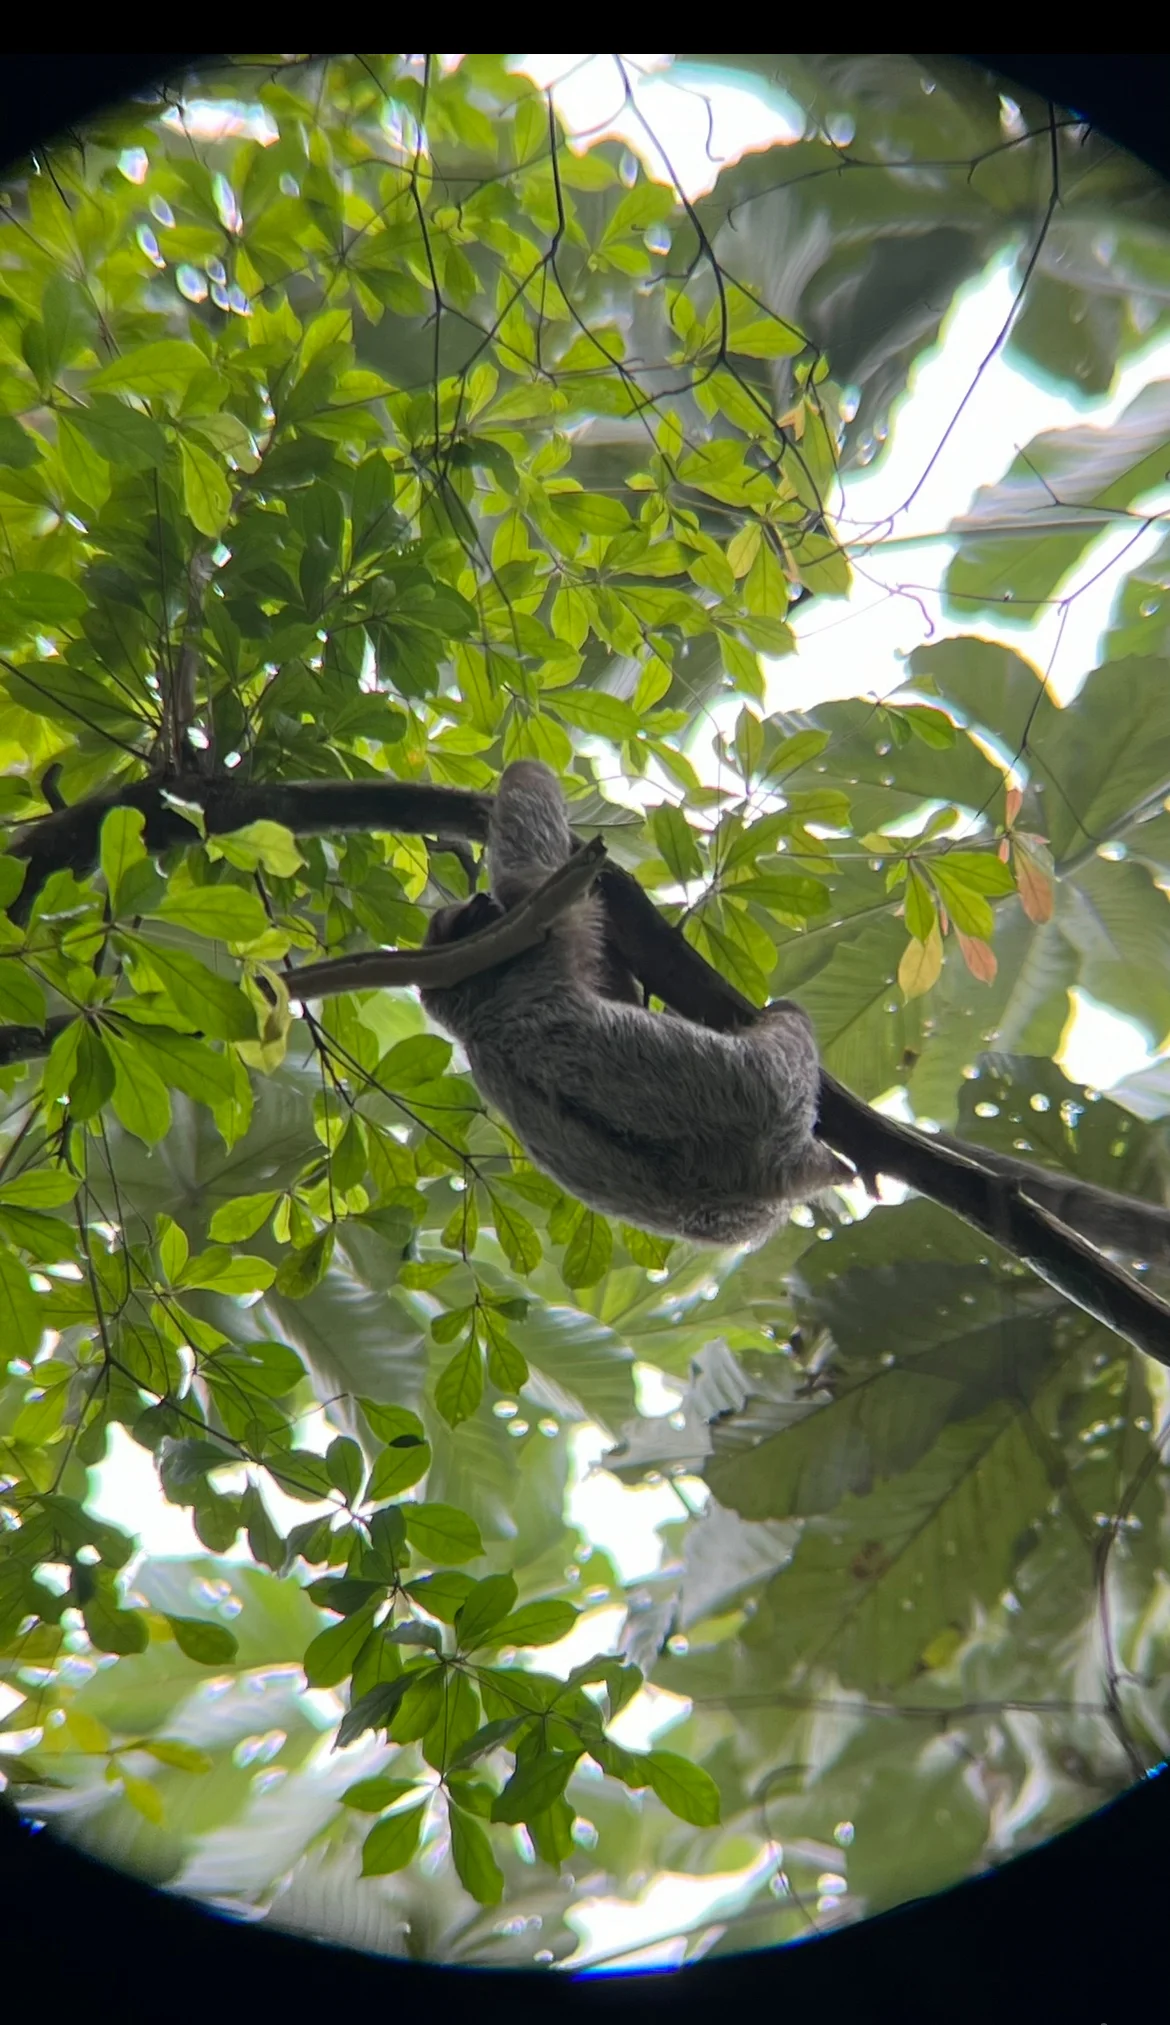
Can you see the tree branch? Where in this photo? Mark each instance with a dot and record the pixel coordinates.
(450, 963)
(1006, 1199)
(1035, 1213)
(68, 839)
(180, 680)
(25, 1044)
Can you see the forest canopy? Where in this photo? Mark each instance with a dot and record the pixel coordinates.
(362, 431)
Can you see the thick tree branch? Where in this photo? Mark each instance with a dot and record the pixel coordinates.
(68, 838)
(25, 1044)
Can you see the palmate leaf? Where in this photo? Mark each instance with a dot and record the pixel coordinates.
(1081, 466)
(938, 1543)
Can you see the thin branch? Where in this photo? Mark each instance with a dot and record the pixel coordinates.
(450, 963)
(180, 678)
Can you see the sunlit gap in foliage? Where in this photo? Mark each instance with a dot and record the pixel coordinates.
(703, 121)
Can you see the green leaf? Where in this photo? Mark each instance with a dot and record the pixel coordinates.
(345, 1594)
(330, 1657)
(1082, 466)
(140, 1097)
(533, 1786)
(537, 1623)
(40, 1188)
(675, 839)
(487, 1603)
(183, 1062)
(300, 1472)
(375, 1708)
(86, 473)
(12, 877)
(968, 910)
(765, 337)
(420, 1706)
(167, 367)
(207, 495)
(46, 1238)
(211, 1003)
(471, 1852)
(646, 1249)
(22, 997)
(112, 1629)
(31, 600)
(442, 1533)
(39, 1420)
(262, 845)
(305, 1269)
(123, 436)
(460, 1384)
(933, 727)
(173, 1249)
(589, 1252)
(94, 1077)
(742, 665)
(343, 1460)
(393, 1424)
(263, 1538)
(271, 1368)
(552, 1833)
(596, 712)
(144, 1797)
(121, 847)
(920, 908)
(392, 1843)
(210, 1644)
(17, 448)
(370, 1796)
(517, 1237)
(181, 1757)
(421, 1059)
(228, 1272)
(507, 1369)
(226, 913)
(242, 1217)
(397, 1468)
(685, 1788)
(443, 1595)
(61, 1065)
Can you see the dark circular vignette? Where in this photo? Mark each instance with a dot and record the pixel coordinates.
(1057, 1934)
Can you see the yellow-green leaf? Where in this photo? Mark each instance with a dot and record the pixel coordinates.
(207, 495)
(921, 964)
